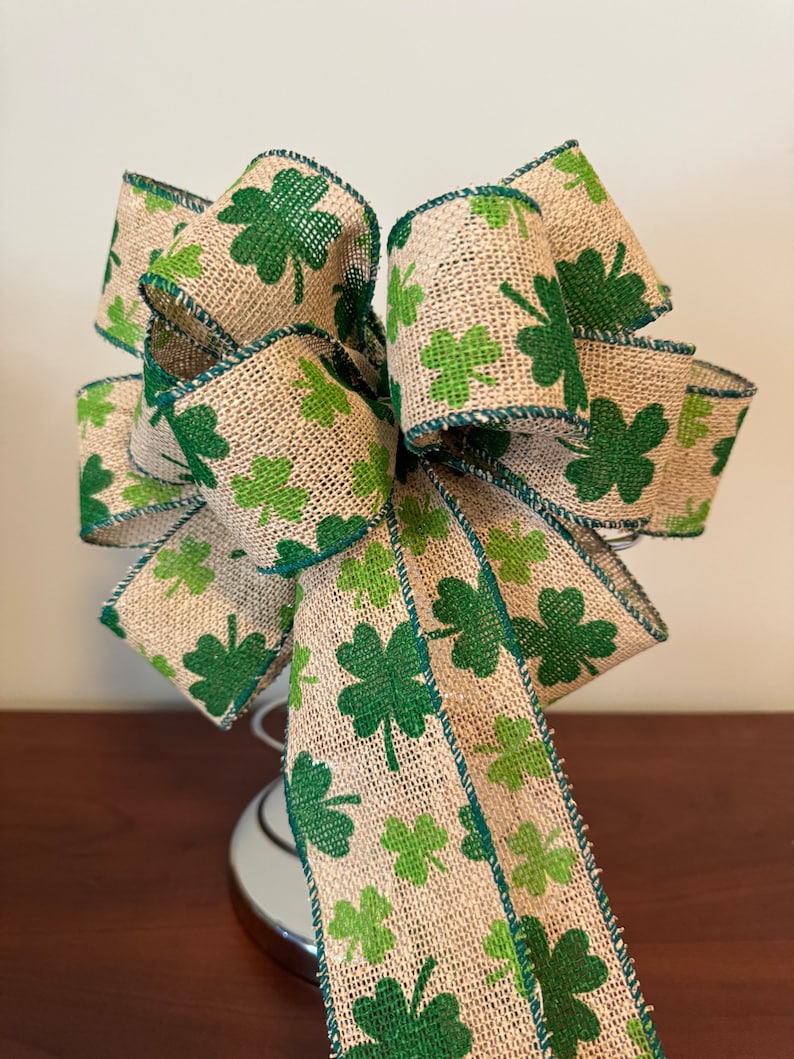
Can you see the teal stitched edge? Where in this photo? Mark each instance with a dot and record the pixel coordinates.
(532, 499)
(196, 203)
(151, 279)
(463, 193)
(116, 342)
(749, 389)
(108, 378)
(288, 569)
(127, 516)
(175, 329)
(465, 780)
(573, 814)
(623, 338)
(249, 693)
(482, 417)
(539, 161)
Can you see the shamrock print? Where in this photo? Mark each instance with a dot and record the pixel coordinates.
(563, 643)
(364, 927)
(122, 326)
(691, 427)
(499, 945)
(540, 859)
(94, 478)
(549, 343)
(185, 567)
(93, 406)
(330, 531)
(158, 662)
(575, 163)
(195, 431)
(403, 298)
(286, 616)
(639, 1038)
(325, 397)
(373, 476)
(516, 754)
(297, 678)
(153, 202)
(471, 847)
(399, 1030)
(515, 553)
(368, 576)
(315, 816)
(724, 447)
(177, 263)
(281, 224)
(415, 847)
(457, 362)
(352, 303)
(387, 690)
(113, 257)
(420, 524)
(155, 382)
(498, 209)
(229, 671)
(494, 443)
(472, 618)
(145, 491)
(267, 489)
(692, 523)
(399, 235)
(614, 455)
(601, 300)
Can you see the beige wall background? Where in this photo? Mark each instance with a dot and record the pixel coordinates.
(684, 109)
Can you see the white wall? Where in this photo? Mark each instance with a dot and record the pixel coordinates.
(683, 107)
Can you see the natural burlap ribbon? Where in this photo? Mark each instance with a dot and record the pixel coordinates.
(408, 517)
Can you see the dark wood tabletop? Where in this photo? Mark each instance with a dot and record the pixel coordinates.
(118, 939)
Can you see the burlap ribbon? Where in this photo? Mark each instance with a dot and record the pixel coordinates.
(410, 518)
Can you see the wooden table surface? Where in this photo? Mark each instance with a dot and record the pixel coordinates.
(118, 941)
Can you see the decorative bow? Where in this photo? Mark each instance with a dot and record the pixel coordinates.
(411, 519)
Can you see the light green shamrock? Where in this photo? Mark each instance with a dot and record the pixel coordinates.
(364, 926)
(297, 678)
(515, 553)
(415, 846)
(372, 476)
(457, 361)
(541, 859)
(325, 397)
(403, 299)
(267, 489)
(368, 576)
(185, 567)
(575, 163)
(517, 754)
(93, 406)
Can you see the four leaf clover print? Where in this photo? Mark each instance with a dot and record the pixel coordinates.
(93, 406)
(185, 567)
(282, 224)
(369, 576)
(267, 488)
(515, 553)
(403, 298)
(457, 361)
(364, 926)
(318, 818)
(517, 754)
(416, 847)
(498, 209)
(229, 671)
(575, 163)
(601, 300)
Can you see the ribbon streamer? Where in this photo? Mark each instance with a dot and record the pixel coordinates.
(409, 514)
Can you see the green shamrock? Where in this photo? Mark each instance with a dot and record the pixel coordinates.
(493, 442)
(575, 163)
(297, 678)
(281, 224)
(113, 257)
(541, 860)
(549, 343)
(724, 447)
(420, 523)
(517, 754)
(155, 382)
(693, 522)
(399, 235)
(595, 299)
(498, 209)
(368, 576)
(325, 397)
(403, 300)
(364, 927)
(286, 616)
(373, 476)
(563, 643)
(110, 618)
(471, 616)
(122, 325)
(158, 662)
(639, 1038)
(400, 1031)
(388, 689)
(314, 815)
(94, 478)
(230, 671)
(92, 406)
(352, 304)
(152, 202)
(499, 945)
(471, 846)
(456, 361)
(414, 846)
(146, 491)
(614, 455)
(195, 431)
(690, 426)
(174, 264)
(330, 531)
(267, 489)
(396, 392)
(515, 553)
(185, 567)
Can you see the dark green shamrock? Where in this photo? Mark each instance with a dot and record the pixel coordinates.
(724, 447)
(457, 362)
(229, 671)
(421, 523)
(415, 846)
(515, 553)
(330, 531)
(314, 815)
(364, 927)
(563, 643)
(498, 209)
(614, 455)
(399, 235)
(325, 397)
(691, 427)
(297, 678)
(146, 491)
(286, 616)
(267, 488)
(185, 567)
(471, 847)
(93, 406)
(94, 478)
(517, 754)
(177, 263)
(403, 299)
(155, 382)
(122, 325)
(372, 476)
(282, 224)
(388, 690)
(575, 163)
(692, 523)
(110, 618)
(396, 393)
(471, 616)
(352, 304)
(540, 859)
(550, 342)
(639, 1038)
(113, 257)
(493, 442)
(595, 299)
(369, 576)
(399, 1030)
(195, 431)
